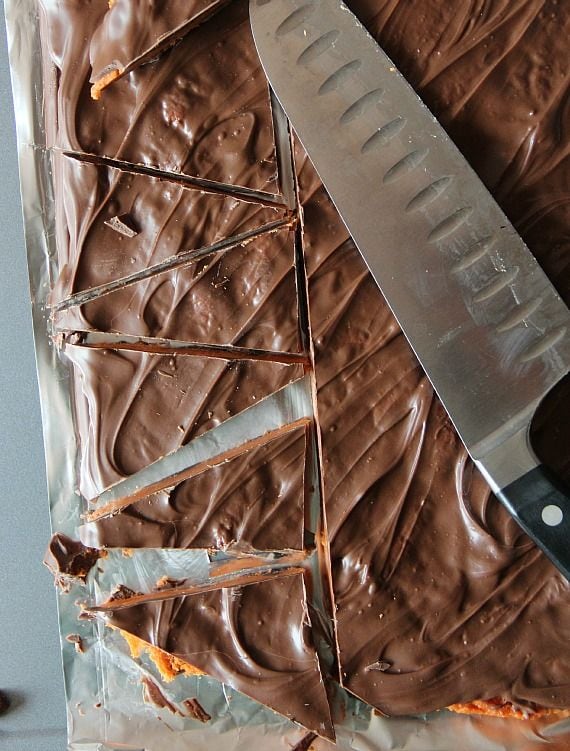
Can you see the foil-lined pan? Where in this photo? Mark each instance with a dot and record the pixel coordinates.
(105, 686)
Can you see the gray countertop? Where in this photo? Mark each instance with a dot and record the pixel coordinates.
(30, 662)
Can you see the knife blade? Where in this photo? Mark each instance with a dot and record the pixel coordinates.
(486, 324)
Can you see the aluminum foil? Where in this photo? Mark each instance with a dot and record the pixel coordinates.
(103, 683)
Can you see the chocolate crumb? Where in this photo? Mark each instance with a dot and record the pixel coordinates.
(122, 593)
(77, 641)
(121, 226)
(153, 695)
(4, 702)
(69, 560)
(196, 710)
(381, 665)
(85, 615)
(305, 743)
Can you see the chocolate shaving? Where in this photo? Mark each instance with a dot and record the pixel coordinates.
(153, 695)
(305, 743)
(117, 223)
(196, 710)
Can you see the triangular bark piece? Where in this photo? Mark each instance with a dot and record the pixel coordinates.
(256, 639)
(133, 32)
(112, 224)
(245, 297)
(202, 109)
(132, 408)
(253, 501)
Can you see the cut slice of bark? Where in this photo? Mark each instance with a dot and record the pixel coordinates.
(202, 109)
(253, 501)
(132, 408)
(114, 225)
(256, 639)
(133, 32)
(241, 297)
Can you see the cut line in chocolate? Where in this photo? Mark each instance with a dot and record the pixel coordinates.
(156, 345)
(200, 183)
(320, 588)
(207, 512)
(288, 566)
(174, 262)
(283, 151)
(255, 426)
(321, 584)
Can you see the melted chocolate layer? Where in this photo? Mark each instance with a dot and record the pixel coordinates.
(112, 224)
(193, 111)
(133, 31)
(252, 501)
(440, 597)
(131, 408)
(254, 638)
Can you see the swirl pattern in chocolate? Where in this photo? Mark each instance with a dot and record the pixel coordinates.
(134, 31)
(245, 296)
(256, 500)
(162, 219)
(131, 408)
(255, 638)
(440, 598)
(192, 111)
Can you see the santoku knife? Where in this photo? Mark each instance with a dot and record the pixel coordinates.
(486, 324)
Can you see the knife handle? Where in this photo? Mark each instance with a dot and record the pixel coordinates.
(541, 505)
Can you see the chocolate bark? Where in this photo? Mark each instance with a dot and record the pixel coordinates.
(245, 297)
(134, 31)
(255, 639)
(256, 500)
(112, 224)
(131, 408)
(440, 598)
(192, 111)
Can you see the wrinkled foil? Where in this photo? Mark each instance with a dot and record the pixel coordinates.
(105, 705)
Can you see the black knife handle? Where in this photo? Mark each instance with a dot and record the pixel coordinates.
(541, 505)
